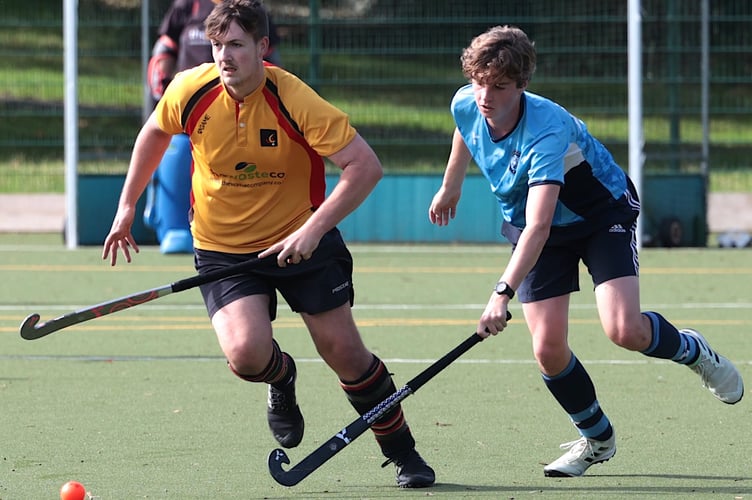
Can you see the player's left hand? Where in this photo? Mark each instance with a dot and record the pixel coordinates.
(494, 318)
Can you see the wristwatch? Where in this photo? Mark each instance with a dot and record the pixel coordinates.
(503, 288)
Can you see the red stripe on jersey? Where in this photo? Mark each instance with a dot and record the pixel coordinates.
(200, 107)
(197, 110)
(192, 199)
(317, 182)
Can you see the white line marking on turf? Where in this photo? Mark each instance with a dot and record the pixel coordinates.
(392, 361)
(381, 307)
(202, 359)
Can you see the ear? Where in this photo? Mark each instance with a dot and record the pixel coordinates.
(263, 46)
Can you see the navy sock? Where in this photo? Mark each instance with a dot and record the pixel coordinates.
(670, 343)
(575, 392)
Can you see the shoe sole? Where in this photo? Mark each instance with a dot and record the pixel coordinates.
(558, 473)
(416, 485)
(733, 402)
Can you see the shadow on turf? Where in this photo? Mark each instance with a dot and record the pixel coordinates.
(696, 485)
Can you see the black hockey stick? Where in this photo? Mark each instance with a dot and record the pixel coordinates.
(30, 330)
(347, 435)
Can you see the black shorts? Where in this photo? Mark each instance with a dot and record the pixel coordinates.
(607, 253)
(319, 284)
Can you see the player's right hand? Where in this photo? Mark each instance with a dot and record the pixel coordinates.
(120, 238)
(443, 207)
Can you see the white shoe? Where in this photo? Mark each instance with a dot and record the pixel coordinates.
(581, 455)
(718, 374)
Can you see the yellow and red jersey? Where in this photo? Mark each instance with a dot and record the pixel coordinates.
(258, 168)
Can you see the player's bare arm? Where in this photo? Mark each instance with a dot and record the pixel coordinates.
(148, 149)
(361, 171)
(444, 204)
(539, 213)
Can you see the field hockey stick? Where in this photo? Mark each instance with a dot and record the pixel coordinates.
(336, 443)
(30, 330)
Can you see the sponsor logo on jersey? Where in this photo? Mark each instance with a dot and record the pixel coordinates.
(250, 171)
(248, 175)
(268, 138)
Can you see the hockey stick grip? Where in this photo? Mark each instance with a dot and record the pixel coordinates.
(202, 279)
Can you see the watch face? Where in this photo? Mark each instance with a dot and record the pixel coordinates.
(504, 289)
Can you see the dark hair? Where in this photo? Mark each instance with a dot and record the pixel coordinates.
(500, 52)
(250, 15)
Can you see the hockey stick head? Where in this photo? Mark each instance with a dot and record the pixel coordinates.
(29, 330)
(276, 459)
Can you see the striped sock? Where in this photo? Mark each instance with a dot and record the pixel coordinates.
(670, 343)
(277, 372)
(391, 429)
(575, 392)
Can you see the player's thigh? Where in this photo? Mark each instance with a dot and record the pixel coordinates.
(611, 259)
(244, 330)
(338, 341)
(618, 302)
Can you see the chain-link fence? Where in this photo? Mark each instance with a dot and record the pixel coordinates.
(393, 66)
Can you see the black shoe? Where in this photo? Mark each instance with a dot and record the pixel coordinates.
(412, 470)
(283, 413)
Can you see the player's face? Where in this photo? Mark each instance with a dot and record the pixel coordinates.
(498, 100)
(239, 59)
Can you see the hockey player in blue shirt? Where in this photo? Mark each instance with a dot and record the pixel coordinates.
(564, 201)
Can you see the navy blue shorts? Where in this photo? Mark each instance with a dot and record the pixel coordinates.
(607, 253)
(316, 285)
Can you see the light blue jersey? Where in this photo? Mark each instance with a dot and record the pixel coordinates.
(548, 146)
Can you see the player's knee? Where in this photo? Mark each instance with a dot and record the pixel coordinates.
(552, 358)
(631, 335)
(244, 358)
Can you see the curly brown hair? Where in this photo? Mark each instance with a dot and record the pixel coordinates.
(500, 52)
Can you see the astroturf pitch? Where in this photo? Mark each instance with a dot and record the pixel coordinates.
(140, 404)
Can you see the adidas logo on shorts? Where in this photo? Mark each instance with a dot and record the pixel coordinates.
(617, 228)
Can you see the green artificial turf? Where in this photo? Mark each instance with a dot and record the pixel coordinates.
(140, 404)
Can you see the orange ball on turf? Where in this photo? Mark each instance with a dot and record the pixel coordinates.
(72, 490)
